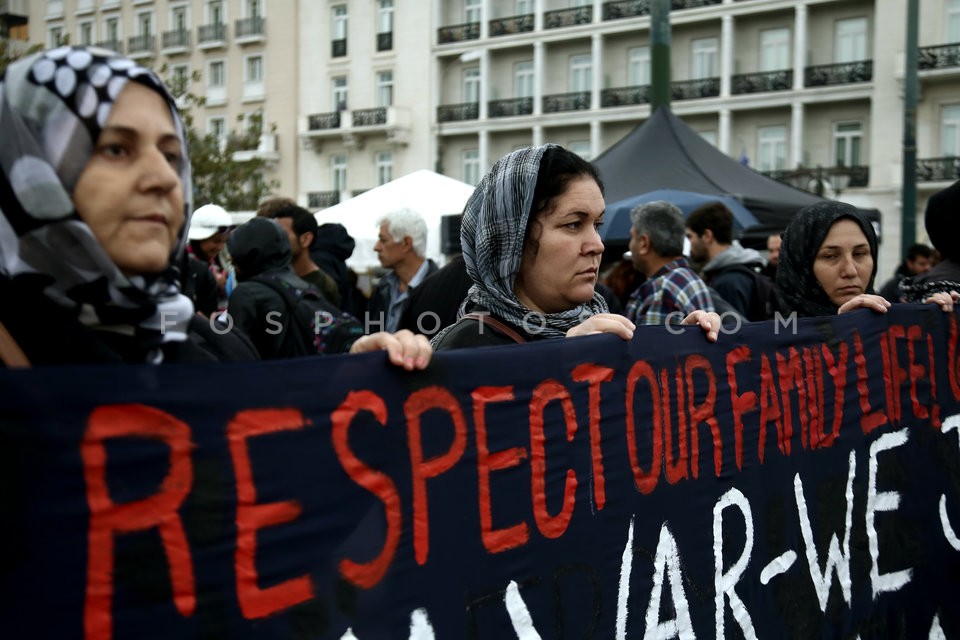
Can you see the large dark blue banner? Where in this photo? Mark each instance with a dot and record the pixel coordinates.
(790, 481)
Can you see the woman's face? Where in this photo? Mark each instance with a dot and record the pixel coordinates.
(563, 272)
(843, 264)
(129, 194)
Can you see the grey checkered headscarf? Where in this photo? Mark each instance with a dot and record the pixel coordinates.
(53, 106)
(492, 233)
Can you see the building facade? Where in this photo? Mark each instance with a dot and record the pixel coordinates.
(366, 95)
(364, 91)
(808, 91)
(240, 56)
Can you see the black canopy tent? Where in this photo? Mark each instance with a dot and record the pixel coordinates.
(664, 153)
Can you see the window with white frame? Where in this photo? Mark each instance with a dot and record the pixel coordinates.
(339, 23)
(471, 85)
(525, 7)
(339, 93)
(771, 148)
(850, 40)
(847, 139)
(581, 72)
(385, 88)
(950, 131)
(385, 16)
(580, 147)
(470, 166)
(253, 8)
(179, 79)
(253, 77)
(523, 79)
(55, 36)
(253, 70)
(774, 49)
(952, 21)
(215, 12)
(338, 172)
(145, 23)
(216, 73)
(703, 63)
(217, 127)
(216, 92)
(638, 66)
(111, 29)
(384, 167)
(85, 33)
(472, 11)
(178, 19)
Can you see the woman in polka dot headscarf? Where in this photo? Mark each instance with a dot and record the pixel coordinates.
(94, 199)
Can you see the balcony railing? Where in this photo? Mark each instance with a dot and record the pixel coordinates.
(625, 9)
(510, 107)
(112, 45)
(843, 73)
(677, 5)
(568, 17)
(385, 41)
(143, 43)
(176, 39)
(691, 89)
(815, 179)
(370, 117)
(575, 101)
(338, 48)
(941, 56)
(458, 112)
(322, 199)
(458, 32)
(622, 96)
(508, 26)
(764, 81)
(212, 33)
(938, 169)
(321, 121)
(254, 26)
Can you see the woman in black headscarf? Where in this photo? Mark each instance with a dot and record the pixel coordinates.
(828, 263)
(532, 249)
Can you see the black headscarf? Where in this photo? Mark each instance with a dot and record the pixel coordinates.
(797, 287)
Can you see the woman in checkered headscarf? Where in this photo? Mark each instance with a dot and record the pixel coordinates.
(531, 247)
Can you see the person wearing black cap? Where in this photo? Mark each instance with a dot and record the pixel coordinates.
(942, 220)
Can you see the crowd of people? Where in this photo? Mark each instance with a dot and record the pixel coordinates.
(109, 261)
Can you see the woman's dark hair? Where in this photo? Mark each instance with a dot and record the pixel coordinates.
(558, 167)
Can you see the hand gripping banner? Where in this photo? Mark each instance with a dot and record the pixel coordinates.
(793, 480)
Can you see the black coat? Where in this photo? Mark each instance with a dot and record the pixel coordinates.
(469, 332)
(440, 293)
(52, 335)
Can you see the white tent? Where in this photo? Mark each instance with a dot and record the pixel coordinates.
(430, 194)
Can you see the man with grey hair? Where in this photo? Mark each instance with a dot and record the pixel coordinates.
(671, 286)
(401, 247)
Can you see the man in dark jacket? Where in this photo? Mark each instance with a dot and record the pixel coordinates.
(919, 260)
(331, 248)
(284, 316)
(730, 269)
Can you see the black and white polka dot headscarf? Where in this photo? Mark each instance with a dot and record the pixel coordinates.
(53, 106)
